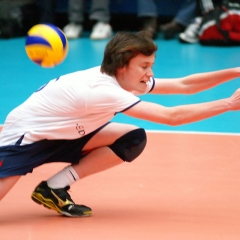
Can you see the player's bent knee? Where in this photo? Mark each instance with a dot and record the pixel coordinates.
(130, 145)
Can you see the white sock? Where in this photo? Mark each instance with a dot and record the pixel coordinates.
(64, 178)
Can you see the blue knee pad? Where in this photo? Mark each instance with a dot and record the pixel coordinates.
(130, 146)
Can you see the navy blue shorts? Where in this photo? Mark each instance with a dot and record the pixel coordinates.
(20, 160)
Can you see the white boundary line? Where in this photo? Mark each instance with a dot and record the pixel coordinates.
(193, 132)
(186, 132)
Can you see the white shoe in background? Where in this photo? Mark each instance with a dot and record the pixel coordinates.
(190, 35)
(101, 30)
(73, 30)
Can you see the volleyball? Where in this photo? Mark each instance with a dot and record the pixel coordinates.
(46, 45)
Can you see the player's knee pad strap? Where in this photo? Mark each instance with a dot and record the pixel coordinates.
(130, 145)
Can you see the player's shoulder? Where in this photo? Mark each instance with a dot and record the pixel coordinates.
(91, 77)
(93, 74)
(100, 79)
(87, 71)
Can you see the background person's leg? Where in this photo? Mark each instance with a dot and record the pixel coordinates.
(100, 15)
(74, 28)
(147, 13)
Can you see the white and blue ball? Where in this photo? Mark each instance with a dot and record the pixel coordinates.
(46, 45)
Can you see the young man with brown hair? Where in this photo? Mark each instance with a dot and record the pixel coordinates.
(68, 119)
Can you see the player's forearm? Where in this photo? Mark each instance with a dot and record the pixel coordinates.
(195, 112)
(202, 81)
(184, 114)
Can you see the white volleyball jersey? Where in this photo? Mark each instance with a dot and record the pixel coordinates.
(68, 108)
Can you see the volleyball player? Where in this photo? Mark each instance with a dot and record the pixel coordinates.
(68, 119)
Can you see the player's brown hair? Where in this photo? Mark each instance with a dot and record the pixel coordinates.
(123, 47)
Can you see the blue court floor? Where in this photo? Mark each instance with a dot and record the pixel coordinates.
(19, 77)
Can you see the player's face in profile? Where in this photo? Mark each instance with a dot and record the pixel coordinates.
(137, 73)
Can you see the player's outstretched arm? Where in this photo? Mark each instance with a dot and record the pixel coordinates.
(195, 83)
(185, 113)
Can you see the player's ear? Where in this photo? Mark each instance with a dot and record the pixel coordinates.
(121, 70)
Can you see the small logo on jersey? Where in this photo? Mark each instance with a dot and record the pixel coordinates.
(1, 162)
(80, 130)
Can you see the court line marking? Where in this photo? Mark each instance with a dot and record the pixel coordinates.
(185, 132)
(193, 132)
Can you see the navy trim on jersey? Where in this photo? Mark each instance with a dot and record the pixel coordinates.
(131, 106)
(153, 85)
(19, 141)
